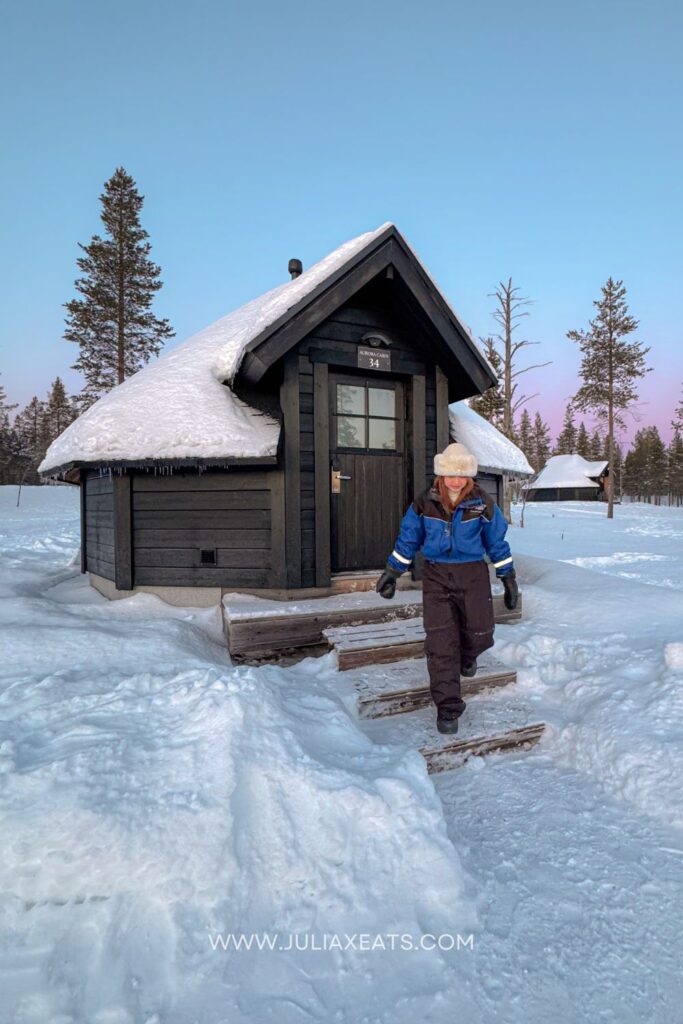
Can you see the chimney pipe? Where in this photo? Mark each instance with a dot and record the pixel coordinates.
(295, 268)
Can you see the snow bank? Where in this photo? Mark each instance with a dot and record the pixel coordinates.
(492, 449)
(153, 798)
(568, 471)
(599, 655)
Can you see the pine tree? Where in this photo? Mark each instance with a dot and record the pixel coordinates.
(32, 439)
(645, 467)
(59, 410)
(633, 482)
(610, 365)
(677, 421)
(596, 446)
(675, 469)
(7, 438)
(541, 444)
(113, 323)
(582, 441)
(566, 440)
(525, 434)
(657, 466)
(490, 405)
(615, 468)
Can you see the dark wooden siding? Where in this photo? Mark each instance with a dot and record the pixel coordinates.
(99, 525)
(493, 485)
(430, 426)
(236, 513)
(307, 464)
(564, 494)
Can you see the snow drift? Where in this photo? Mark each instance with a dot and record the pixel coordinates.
(154, 796)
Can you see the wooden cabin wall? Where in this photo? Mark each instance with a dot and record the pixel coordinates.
(98, 524)
(493, 485)
(238, 513)
(564, 494)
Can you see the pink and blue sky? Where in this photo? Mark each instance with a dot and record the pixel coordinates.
(533, 140)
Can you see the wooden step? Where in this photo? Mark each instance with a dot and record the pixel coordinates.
(256, 627)
(404, 686)
(489, 724)
(376, 643)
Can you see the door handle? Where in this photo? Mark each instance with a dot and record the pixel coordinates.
(336, 481)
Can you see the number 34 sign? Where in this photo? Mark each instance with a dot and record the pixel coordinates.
(374, 359)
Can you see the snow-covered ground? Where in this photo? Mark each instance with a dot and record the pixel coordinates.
(154, 798)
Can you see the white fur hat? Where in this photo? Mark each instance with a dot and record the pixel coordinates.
(455, 460)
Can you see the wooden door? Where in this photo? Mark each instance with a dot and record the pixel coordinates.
(367, 446)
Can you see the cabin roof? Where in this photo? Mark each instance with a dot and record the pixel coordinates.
(182, 406)
(569, 471)
(493, 450)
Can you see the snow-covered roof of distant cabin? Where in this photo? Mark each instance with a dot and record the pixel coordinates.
(568, 471)
(493, 450)
(180, 406)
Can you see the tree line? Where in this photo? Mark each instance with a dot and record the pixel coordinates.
(611, 365)
(25, 438)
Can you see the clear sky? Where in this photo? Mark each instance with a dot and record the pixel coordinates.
(535, 140)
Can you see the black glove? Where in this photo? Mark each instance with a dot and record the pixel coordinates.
(386, 584)
(511, 589)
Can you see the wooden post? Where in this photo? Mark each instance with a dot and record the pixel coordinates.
(419, 425)
(123, 531)
(278, 535)
(321, 441)
(289, 401)
(84, 554)
(443, 430)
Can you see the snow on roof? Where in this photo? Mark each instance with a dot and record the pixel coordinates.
(568, 471)
(492, 449)
(177, 406)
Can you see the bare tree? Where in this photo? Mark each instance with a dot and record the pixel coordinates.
(509, 313)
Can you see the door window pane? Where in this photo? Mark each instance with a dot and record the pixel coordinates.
(351, 399)
(381, 402)
(351, 432)
(382, 434)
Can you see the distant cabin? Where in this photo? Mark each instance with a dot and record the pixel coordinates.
(278, 448)
(497, 456)
(569, 478)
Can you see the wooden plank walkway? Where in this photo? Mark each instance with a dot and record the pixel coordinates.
(489, 724)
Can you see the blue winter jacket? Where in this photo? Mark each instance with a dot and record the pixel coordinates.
(476, 528)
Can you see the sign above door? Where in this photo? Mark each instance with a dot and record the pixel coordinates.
(374, 359)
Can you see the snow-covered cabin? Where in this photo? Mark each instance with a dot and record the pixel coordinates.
(280, 445)
(497, 456)
(569, 478)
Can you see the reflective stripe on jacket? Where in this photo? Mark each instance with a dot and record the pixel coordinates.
(476, 528)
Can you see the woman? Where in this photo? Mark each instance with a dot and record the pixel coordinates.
(456, 524)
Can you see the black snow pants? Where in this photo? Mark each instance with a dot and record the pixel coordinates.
(458, 622)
